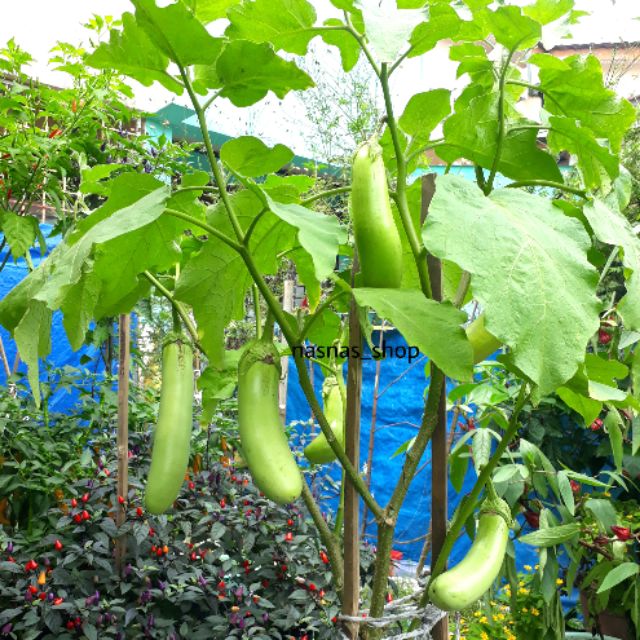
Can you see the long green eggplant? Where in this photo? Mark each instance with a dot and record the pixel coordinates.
(172, 435)
(318, 450)
(470, 579)
(376, 235)
(264, 442)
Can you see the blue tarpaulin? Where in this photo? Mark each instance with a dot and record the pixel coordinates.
(398, 415)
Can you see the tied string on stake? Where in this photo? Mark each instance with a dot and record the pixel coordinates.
(401, 610)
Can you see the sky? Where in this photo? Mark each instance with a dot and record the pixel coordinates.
(38, 24)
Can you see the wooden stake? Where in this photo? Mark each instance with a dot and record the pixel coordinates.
(439, 449)
(123, 432)
(287, 305)
(351, 593)
(5, 361)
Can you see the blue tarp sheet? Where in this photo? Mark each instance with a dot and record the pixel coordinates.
(398, 416)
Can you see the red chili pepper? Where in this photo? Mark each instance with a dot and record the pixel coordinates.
(70, 625)
(622, 533)
(288, 536)
(193, 556)
(575, 486)
(120, 500)
(57, 545)
(85, 515)
(604, 337)
(74, 503)
(596, 425)
(42, 595)
(223, 503)
(290, 522)
(33, 589)
(159, 552)
(139, 512)
(85, 497)
(77, 518)
(58, 601)
(191, 485)
(54, 133)
(221, 585)
(312, 587)
(107, 472)
(324, 557)
(74, 105)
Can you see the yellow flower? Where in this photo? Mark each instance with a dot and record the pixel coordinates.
(477, 614)
(607, 494)
(537, 567)
(525, 610)
(527, 567)
(559, 581)
(483, 620)
(484, 636)
(534, 611)
(499, 616)
(523, 592)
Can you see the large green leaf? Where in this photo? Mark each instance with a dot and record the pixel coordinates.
(319, 234)
(388, 28)
(209, 10)
(246, 71)
(132, 53)
(473, 133)
(595, 161)
(126, 228)
(215, 280)
(612, 227)
(575, 88)
(512, 30)
(433, 327)
(423, 114)
(546, 11)
(251, 157)
(286, 24)
(177, 33)
(529, 270)
(443, 23)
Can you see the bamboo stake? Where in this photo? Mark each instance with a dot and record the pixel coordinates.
(439, 449)
(372, 430)
(287, 305)
(123, 432)
(351, 593)
(3, 357)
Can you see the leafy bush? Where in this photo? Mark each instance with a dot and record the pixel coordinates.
(224, 563)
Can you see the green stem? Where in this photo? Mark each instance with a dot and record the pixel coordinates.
(607, 266)
(204, 226)
(337, 529)
(203, 188)
(548, 183)
(213, 161)
(329, 540)
(417, 247)
(468, 506)
(412, 459)
(363, 45)
(502, 125)
(176, 308)
(325, 194)
(256, 310)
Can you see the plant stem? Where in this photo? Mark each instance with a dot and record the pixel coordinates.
(256, 310)
(502, 125)
(204, 226)
(417, 247)
(412, 459)
(468, 506)
(325, 194)
(329, 540)
(177, 307)
(548, 183)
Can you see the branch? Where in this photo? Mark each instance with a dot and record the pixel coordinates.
(327, 537)
(548, 183)
(178, 308)
(204, 226)
(325, 194)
